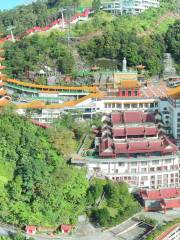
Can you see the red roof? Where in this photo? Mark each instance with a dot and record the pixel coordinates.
(119, 132)
(120, 147)
(151, 131)
(30, 229)
(66, 228)
(138, 145)
(116, 118)
(135, 131)
(132, 117)
(170, 203)
(160, 194)
(37, 123)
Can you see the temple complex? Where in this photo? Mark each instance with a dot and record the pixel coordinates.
(4, 99)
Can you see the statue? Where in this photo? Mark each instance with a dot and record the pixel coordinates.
(124, 65)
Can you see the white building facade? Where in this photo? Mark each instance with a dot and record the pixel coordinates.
(129, 6)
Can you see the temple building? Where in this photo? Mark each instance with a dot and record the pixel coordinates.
(133, 148)
(160, 199)
(4, 99)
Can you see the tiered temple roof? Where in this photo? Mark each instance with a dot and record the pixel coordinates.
(133, 133)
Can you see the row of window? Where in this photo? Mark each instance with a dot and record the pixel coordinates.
(132, 105)
(151, 169)
(145, 163)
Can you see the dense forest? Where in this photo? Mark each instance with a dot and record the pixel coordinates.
(38, 187)
(33, 53)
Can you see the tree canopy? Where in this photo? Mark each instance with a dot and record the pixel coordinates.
(36, 185)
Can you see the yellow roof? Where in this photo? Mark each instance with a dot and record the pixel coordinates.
(41, 105)
(128, 84)
(56, 88)
(4, 101)
(174, 92)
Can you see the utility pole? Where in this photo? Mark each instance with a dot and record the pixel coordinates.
(10, 28)
(62, 10)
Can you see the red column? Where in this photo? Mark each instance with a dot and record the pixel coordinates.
(132, 92)
(119, 93)
(138, 92)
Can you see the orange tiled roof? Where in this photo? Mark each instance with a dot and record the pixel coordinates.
(174, 92)
(4, 101)
(128, 84)
(3, 92)
(41, 105)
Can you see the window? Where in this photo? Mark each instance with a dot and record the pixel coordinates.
(151, 105)
(134, 105)
(168, 161)
(144, 178)
(151, 169)
(133, 170)
(165, 175)
(129, 93)
(115, 170)
(126, 105)
(143, 170)
(134, 164)
(123, 93)
(155, 162)
(159, 168)
(135, 93)
(113, 105)
(143, 163)
(121, 164)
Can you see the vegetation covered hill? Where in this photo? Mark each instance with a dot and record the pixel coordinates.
(39, 13)
(142, 39)
(36, 185)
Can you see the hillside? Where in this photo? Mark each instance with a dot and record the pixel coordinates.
(36, 185)
(141, 39)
